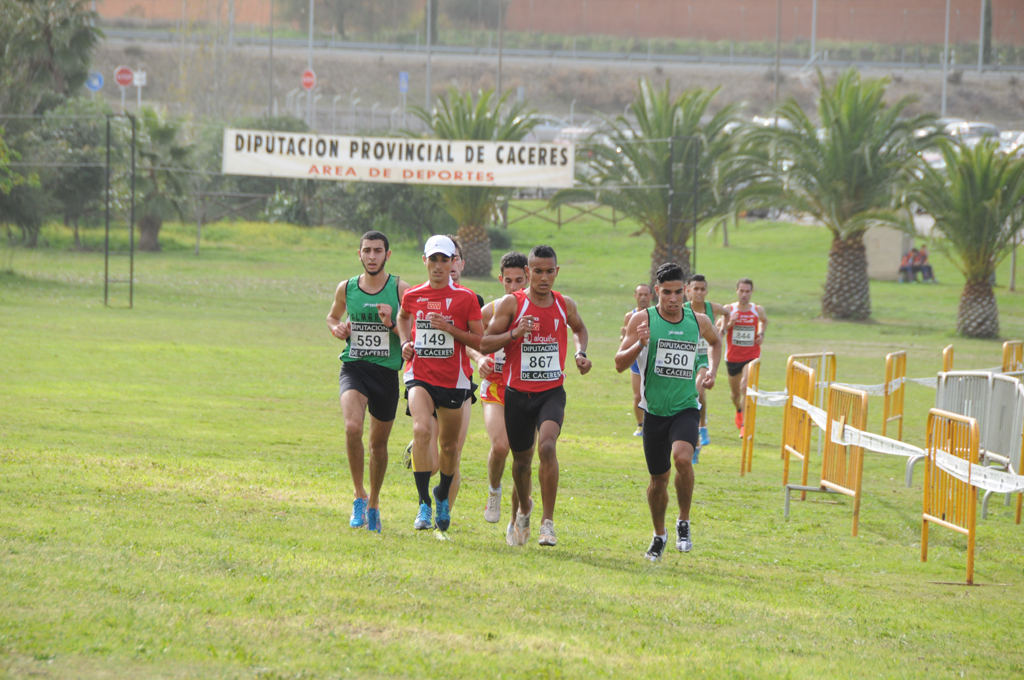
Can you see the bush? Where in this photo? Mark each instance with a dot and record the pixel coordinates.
(501, 239)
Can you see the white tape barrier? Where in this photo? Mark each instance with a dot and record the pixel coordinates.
(876, 390)
(985, 478)
(989, 479)
(927, 382)
(768, 398)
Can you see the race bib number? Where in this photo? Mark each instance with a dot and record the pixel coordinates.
(539, 362)
(432, 343)
(369, 340)
(675, 358)
(743, 336)
(499, 361)
(702, 347)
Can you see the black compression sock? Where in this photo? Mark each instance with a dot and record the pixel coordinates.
(423, 486)
(443, 487)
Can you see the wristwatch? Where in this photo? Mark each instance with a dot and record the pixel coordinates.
(581, 353)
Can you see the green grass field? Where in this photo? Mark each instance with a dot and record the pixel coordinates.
(174, 495)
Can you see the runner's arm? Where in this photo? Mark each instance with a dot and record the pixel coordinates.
(580, 336)
(338, 328)
(404, 328)
(484, 363)
(469, 337)
(637, 334)
(625, 321)
(764, 323)
(498, 333)
(714, 340)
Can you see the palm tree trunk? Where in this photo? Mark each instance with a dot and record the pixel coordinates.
(664, 252)
(978, 315)
(847, 295)
(476, 246)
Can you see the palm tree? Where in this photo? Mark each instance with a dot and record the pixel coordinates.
(978, 206)
(850, 174)
(460, 117)
(647, 171)
(160, 178)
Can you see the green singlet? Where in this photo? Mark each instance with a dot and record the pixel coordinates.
(702, 344)
(668, 365)
(371, 340)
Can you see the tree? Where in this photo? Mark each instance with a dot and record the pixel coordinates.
(160, 175)
(978, 205)
(850, 174)
(72, 137)
(48, 47)
(460, 117)
(632, 168)
(21, 201)
(342, 15)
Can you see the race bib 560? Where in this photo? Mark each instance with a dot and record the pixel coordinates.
(674, 358)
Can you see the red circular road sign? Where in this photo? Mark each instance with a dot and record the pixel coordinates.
(308, 79)
(123, 76)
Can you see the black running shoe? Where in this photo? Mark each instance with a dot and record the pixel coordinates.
(656, 550)
(683, 542)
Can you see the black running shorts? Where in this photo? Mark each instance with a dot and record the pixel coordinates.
(525, 411)
(444, 397)
(660, 432)
(378, 384)
(736, 367)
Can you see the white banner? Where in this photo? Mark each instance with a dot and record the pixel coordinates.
(399, 160)
(986, 478)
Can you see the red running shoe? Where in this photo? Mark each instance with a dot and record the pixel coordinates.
(739, 419)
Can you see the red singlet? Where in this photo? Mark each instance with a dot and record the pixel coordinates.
(536, 361)
(740, 339)
(440, 359)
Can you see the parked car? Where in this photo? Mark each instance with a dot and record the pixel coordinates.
(546, 130)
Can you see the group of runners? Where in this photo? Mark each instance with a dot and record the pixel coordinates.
(520, 343)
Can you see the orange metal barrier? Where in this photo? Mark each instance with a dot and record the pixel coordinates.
(842, 466)
(947, 358)
(948, 501)
(749, 418)
(797, 423)
(1013, 356)
(895, 387)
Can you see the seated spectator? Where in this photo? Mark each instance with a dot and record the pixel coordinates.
(907, 271)
(920, 264)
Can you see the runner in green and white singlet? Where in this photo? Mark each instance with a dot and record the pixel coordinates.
(663, 340)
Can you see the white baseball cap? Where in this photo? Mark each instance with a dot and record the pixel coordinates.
(439, 244)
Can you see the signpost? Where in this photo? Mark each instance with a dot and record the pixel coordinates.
(308, 79)
(94, 82)
(139, 81)
(124, 77)
(403, 89)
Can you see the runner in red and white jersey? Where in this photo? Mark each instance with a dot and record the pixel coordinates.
(491, 368)
(436, 324)
(531, 325)
(744, 328)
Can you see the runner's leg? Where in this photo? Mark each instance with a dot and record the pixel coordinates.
(637, 411)
(657, 500)
(467, 410)
(380, 431)
(682, 456)
(547, 470)
(702, 396)
(353, 409)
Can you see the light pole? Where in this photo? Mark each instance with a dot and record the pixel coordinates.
(334, 113)
(373, 116)
(430, 4)
(391, 116)
(778, 48)
(315, 124)
(501, 41)
(814, 29)
(945, 61)
(352, 116)
(572, 111)
(308, 107)
(981, 39)
(270, 68)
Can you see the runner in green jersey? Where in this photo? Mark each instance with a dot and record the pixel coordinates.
(369, 369)
(663, 340)
(696, 291)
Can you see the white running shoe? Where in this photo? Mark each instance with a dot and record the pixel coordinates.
(547, 533)
(492, 512)
(522, 528)
(510, 534)
(684, 543)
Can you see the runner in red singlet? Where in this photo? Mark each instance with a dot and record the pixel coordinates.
(531, 325)
(744, 328)
(436, 324)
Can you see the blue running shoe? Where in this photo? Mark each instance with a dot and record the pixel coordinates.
(444, 518)
(423, 520)
(705, 438)
(358, 513)
(373, 519)
(696, 455)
